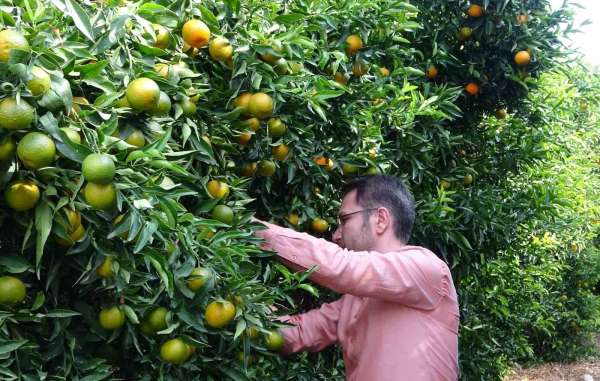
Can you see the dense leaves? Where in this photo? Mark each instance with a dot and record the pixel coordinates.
(353, 92)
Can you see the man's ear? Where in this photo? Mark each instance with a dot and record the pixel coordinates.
(384, 220)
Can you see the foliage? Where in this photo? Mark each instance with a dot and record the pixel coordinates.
(428, 131)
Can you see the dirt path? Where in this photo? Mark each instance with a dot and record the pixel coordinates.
(560, 372)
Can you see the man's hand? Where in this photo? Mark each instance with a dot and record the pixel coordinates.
(261, 233)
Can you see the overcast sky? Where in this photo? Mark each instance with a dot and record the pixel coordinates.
(587, 42)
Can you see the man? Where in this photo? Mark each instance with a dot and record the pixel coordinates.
(398, 318)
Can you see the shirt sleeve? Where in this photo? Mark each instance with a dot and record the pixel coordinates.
(412, 276)
(313, 330)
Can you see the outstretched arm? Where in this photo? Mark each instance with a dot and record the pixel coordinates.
(313, 330)
(413, 276)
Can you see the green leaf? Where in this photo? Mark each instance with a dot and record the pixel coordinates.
(73, 151)
(9, 346)
(234, 374)
(61, 313)
(239, 328)
(91, 70)
(310, 289)
(43, 225)
(81, 19)
(58, 96)
(130, 313)
(160, 266)
(145, 236)
(158, 14)
(290, 18)
(13, 264)
(209, 18)
(40, 298)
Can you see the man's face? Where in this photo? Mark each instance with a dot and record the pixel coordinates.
(354, 231)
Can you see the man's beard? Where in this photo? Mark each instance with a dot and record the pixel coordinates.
(362, 242)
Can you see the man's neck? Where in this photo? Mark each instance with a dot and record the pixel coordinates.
(387, 246)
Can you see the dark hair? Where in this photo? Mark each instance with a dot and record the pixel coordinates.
(386, 191)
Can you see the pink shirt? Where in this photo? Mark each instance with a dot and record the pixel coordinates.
(398, 319)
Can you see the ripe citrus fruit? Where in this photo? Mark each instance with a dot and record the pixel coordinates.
(217, 189)
(142, 94)
(36, 150)
(293, 219)
(276, 128)
(9, 40)
(360, 68)
(522, 58)
(341, 78)
(319, 225)
(266, 168)
(163, 106)
(188, 107)
(472, 88)
(251, 123)
(349, 169)
(122, 102)
(223, 213)
(72, 135)
(111, 318)
(384, 71)
(15, 116)
(74, 236)
(432, 72)
(100, 196)
(220, 49)
(73, 219)
(273, 58)
(295, 66)
(353, 44)
(7, 148)
(12, 290)
(219, 313)
(373, 153)
(501, 113)
(372, 171)
(280, 152)
(260, 105)
(242, 101)
(174, 351)
(162, 69)
(195, 33)
(281, 66)
(320, 160)
(468, 179)
(136, 138)
(39, 82)
(22, 195)
(244, 138)
(105, 269)
(475, 11)
(251, 332)
(274, 341)
(157, 318)
(197, 278)
(248, 169)
(464, 33)
(98, 168)
(522, 19)
(162, 39)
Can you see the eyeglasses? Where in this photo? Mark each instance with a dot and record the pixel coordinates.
(341, 219)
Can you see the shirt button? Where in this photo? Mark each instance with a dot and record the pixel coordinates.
(294, 257)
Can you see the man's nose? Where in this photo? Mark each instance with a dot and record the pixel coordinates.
(337, 236)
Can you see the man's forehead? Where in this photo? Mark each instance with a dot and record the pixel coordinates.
(349, 201)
